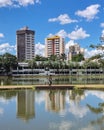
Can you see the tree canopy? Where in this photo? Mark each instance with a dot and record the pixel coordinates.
(7, 62)
(78, 57)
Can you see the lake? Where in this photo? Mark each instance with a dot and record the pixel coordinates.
(55, 80)
(51, 109)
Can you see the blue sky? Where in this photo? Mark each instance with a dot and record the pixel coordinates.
(78, 21)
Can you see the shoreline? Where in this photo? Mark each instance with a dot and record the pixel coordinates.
(59, 86)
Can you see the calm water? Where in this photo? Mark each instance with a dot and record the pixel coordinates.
(52, 110)
(55, 80)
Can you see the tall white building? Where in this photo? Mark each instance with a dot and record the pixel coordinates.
(54, 46)
(25, 44)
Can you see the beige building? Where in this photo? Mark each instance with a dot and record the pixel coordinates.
(54, 46)
(74, 50)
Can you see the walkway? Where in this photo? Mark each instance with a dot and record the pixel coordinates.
(62, 86)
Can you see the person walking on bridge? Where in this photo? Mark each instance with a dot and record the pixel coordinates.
(50, 80)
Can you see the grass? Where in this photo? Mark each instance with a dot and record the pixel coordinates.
(90, 86)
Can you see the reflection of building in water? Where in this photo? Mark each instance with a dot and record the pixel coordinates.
(25, 104)
(55, 101)
(76, 96)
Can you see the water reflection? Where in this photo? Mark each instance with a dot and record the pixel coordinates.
(100, 120)
(25, 105)
(55, 100)
(52, 110)
(55, 80)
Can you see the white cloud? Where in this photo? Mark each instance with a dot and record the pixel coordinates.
(87, 53)
(39, 49)
(89, 127)
(17, 3)
(4, 3)
(69, 43)
(4, 101)
(89, 13)
(74, 35)
(62, 33)
(75, 107)
(102, 25)
(40, 97)
(98, 94)
(78, 34)
(90, 53)
(102, 32)
(50, 35)
(25, 2)
(102, 35)
(38, 1)
(1, 35)
(6, 47)
(63, 19)
(64, 125)
(78, 110)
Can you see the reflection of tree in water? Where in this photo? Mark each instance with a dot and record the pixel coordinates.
(6, 81)
(76, 94)
(8, 94)
(99, 121)
(98, 110)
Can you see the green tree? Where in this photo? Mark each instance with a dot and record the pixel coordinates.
(40, 58)
(32, 63)
(99, 57)
(9, 62)
(53, 58)
(77, 58)
(63, 56)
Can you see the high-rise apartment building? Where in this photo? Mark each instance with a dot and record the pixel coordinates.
(74, 50)
(54, 46)
(25, 44)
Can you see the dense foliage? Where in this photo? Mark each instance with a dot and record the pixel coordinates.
(7, 62)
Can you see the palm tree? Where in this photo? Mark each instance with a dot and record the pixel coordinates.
(53, 58)
(32, 64)
(70, 66)
(63, 56)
